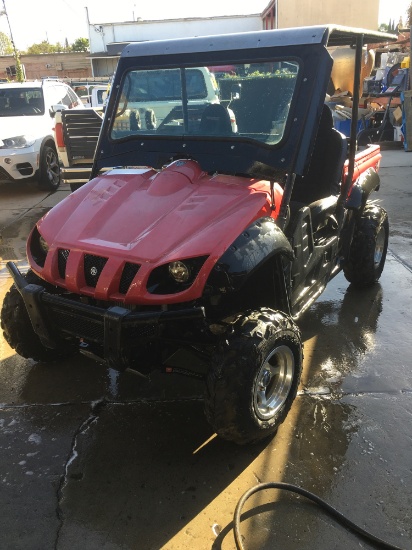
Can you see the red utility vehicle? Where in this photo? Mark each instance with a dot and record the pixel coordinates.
(195, 246)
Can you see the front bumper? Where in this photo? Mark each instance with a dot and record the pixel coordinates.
(115, 329)
(18, 164)
(76, 175)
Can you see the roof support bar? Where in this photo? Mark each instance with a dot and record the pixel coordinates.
(354, 123)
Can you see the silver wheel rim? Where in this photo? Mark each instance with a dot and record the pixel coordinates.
(273, 382)
(52, 167)
(379, 247)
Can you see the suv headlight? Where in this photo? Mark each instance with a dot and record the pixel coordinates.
(17, 142)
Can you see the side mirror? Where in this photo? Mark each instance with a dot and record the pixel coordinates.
(56, 108)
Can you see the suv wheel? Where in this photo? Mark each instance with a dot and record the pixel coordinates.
(49, 171)
(254, 377)
(369, 246)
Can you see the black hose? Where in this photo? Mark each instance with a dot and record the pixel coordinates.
(379, 543)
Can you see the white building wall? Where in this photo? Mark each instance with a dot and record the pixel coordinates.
(136, 31)
(291, 13)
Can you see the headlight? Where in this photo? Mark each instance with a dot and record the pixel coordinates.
(43, 245)
(38, 247)
(179, 271)
(174, 277)
(17, 142)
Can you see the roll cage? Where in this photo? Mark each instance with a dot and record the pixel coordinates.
(239, 154)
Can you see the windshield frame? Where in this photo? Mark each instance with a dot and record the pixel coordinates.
(232, 100)
(227, 155)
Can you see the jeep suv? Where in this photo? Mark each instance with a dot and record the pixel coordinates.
(27, 147)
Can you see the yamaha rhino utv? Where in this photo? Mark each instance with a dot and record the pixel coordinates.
(197, 243)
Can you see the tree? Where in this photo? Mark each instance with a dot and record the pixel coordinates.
(80, 45)
(391, 28)
(409, 16)
(6, 47)
(44, 47)
(19, 68)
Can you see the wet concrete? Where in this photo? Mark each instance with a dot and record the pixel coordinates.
(90, 459)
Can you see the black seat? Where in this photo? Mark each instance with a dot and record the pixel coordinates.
(324, 173)
(215, 121)
(16, 103)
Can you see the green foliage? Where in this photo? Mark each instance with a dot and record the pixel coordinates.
(19, 69)
(284, 73)
(80, 45)
(391, 27)
(6, 47)
(409, 15)
(43, 47)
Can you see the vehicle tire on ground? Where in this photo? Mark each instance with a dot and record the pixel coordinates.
(49, 170)
(150, 119)
(254, 376)
(18, 330)
(369, 246)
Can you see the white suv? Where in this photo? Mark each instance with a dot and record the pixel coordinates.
(27, 147)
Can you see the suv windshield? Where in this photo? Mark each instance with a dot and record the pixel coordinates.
(242, 101)
(21, 102)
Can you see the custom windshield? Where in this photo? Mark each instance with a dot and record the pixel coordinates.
(21, 102)
(236, 101)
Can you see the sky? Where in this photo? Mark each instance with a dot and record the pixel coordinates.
(55, 20)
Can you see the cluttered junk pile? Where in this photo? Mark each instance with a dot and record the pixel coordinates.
(385, 107)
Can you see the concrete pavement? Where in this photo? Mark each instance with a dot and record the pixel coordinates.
(92, 459)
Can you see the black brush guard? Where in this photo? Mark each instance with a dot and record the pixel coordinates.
(116, 329)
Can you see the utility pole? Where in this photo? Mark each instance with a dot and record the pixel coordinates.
(19, 68)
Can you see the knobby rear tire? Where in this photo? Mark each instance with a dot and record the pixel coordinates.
(369, 247)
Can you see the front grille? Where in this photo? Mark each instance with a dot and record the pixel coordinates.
(91, 328)
(129, 272)
(62, 257)
(93, 266)
(131, 334)
(77, 325)
(25, 168)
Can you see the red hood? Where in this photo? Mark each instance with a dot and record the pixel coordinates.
(152, 218)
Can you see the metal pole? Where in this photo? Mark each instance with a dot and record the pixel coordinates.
(410, 58)
(19, 72)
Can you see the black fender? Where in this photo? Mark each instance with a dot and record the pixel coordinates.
(253, 248)
(366, 183)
